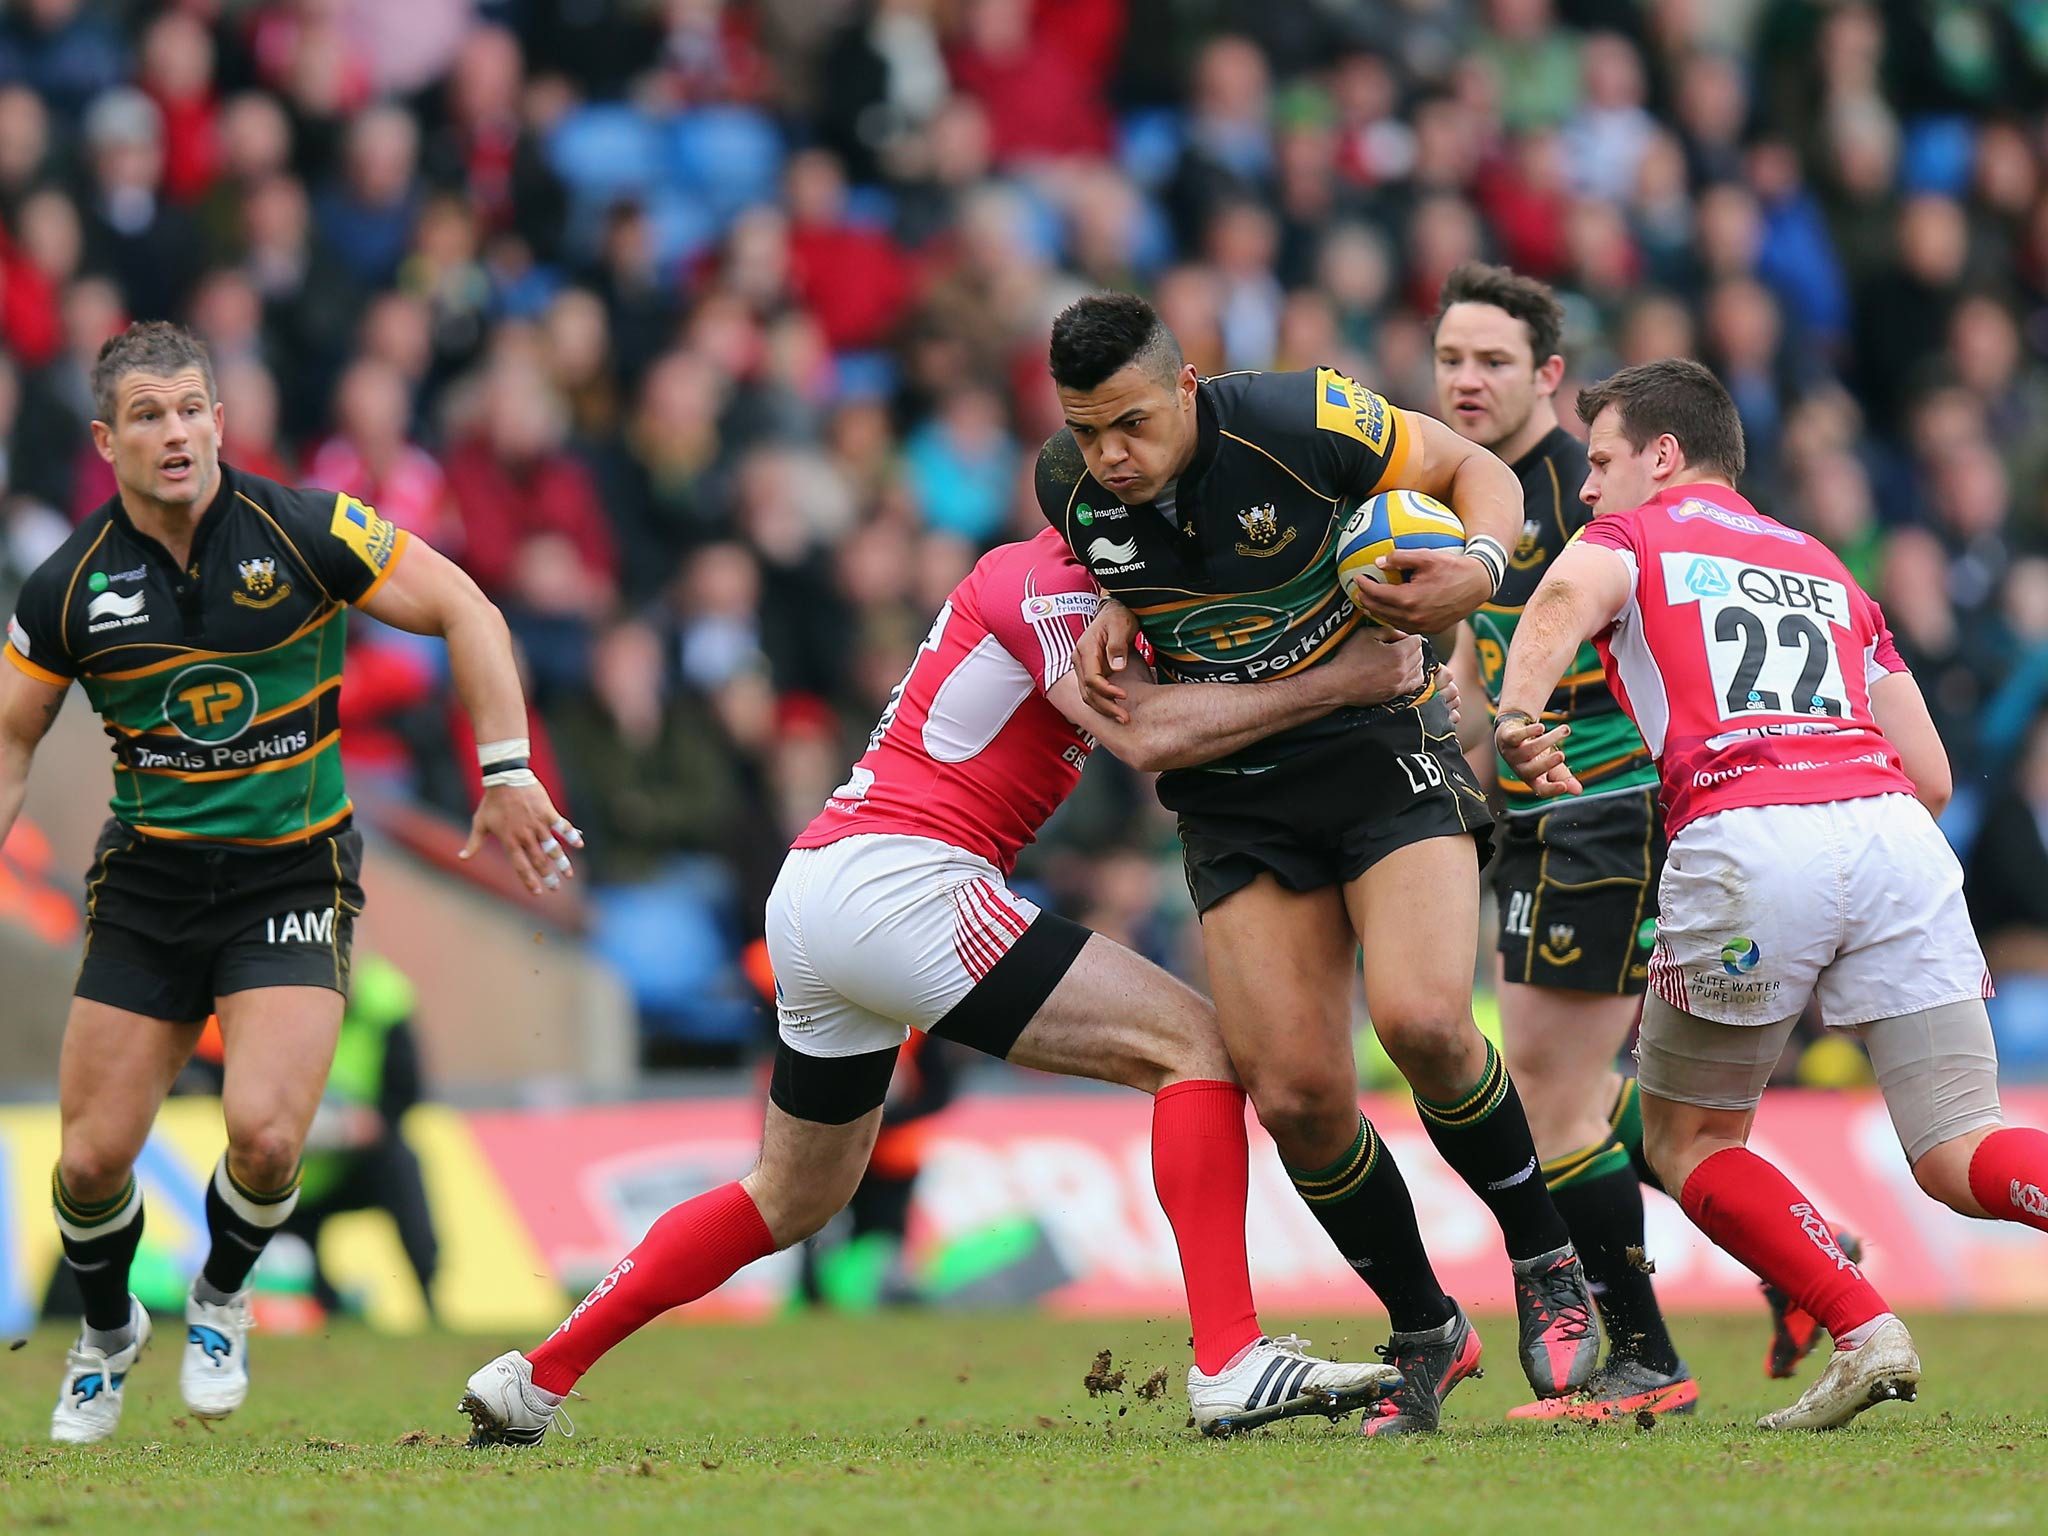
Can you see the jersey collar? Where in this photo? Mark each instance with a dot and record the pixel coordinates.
(223, 495)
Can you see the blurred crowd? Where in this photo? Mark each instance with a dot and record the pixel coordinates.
(710, 336)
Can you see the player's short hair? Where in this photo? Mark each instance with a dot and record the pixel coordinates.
(1679, 396)
(1094, 337)
(1531, 302)
(151, 346)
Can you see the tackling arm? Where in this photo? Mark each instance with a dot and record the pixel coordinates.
(1182, 725)
(1580, 595)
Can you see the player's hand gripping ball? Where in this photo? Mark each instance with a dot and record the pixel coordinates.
(1393, 520)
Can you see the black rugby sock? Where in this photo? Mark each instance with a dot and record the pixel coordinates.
(240, 1221)
(1598, 1195)
(1625, 1119)
(1484, 1136)
(1363, 1203)
(100, 1239)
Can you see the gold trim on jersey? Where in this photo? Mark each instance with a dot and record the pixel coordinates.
(1247, 442)
(40, 674)
(399, 545)
(304, 564)
(187, 656)
(305, 835)
(71, 586)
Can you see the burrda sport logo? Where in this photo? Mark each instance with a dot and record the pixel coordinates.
(1113, 559)
(1740, 956)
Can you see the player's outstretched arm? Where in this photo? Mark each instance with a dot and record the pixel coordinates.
(28, 708)
(1182, 725)
(428, 594)
(1440, 587)
(1585, 587)
(1901, 713)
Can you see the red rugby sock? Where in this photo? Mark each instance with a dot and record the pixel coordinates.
(690, 1251)
(1201, 1169)
(2008, 1174)
(1751, 1209)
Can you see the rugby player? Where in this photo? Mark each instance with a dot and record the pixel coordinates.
(1210, 510)
(1799, 769)
(1576, 881)
(202, 610)
(893, 912)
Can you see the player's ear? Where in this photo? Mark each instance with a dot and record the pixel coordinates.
(103, 440)
(1550, 375)
(1188, 381)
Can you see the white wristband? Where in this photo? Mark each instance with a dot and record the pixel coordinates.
(510, 778)
(1488, 552)
(489, 752)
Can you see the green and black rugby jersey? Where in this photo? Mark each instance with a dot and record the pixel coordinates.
(221, 682)
(1238, 583)
(1606, 751)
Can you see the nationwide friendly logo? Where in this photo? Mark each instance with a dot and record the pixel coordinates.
(260, 586)
(1740, 956)
(210, 703)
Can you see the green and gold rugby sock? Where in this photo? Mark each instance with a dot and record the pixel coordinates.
(1363, 1203)
(1484, 1135)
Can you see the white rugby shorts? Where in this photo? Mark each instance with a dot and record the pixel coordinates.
(873, 935)
(1858, 902)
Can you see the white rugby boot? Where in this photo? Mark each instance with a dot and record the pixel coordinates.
(506, 1408)
(1884, 1368)
(1277, 1379)
(89, 1403)
(214, 1374)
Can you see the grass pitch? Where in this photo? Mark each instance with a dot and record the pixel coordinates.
(943, 1423)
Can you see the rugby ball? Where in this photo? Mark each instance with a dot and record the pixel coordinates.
(1393, 520)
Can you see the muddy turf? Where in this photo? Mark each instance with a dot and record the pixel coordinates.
(981, 1423)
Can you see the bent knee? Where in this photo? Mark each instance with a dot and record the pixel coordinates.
(264, 1156)
(91, 1173)
(1301, 1113)
(793, 1211)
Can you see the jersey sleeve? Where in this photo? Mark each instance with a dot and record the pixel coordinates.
(35, 632)
(349, 548)
(1037, 611)
(1881, 655)
(1358, 442)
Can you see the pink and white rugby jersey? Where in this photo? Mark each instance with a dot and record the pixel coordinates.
(968, 750)
(1745, 657)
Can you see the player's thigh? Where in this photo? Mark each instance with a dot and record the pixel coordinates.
(1280, 971)
(278, 1047)
(1938, 1070)
(1118, 1017)
(1701, 1082)
(1561, 1047)
(113, 1071)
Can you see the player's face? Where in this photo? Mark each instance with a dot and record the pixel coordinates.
(1136, 432)
(164, 441)
(1620, 476)
(1487, 379)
